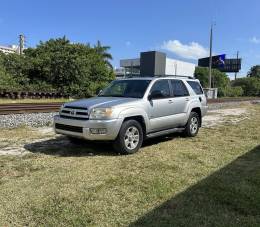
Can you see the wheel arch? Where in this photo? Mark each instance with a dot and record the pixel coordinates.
(139, 119)
(198, 111)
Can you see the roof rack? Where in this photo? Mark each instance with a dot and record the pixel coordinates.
(187, 77)
(178, 76)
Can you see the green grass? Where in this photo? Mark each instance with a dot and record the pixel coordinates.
(9, 101)
(210, 180)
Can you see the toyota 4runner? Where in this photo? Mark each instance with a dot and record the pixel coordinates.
(133, 109)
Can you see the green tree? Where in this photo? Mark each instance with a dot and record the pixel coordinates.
(7, 82)
(219, 79)
(74, 69)
(254, 71)
(58, 65)
(17, 66)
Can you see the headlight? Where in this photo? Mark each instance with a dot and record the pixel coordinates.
(101, 113)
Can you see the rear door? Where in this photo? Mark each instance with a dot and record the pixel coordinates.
(196, 87)
(180, 101)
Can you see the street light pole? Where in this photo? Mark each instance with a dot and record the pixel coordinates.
(210, 56)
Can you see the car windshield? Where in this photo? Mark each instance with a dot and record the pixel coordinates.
(126, 88)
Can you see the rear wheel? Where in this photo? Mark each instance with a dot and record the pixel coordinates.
(130, 137)
(193, 124)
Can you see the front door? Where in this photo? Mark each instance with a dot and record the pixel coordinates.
(160, 107)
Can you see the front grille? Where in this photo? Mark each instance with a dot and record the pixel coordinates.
(76, 107)
(69, 128)
(74, 113)
(74, 118)
(65, 111)
(82, 113)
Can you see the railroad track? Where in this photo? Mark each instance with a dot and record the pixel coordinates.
(53, 107)
(29, 108)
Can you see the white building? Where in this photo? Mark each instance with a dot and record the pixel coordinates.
(9, 49)
(181, 68)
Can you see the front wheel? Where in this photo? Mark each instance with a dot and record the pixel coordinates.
(192, 126)
(130, 137)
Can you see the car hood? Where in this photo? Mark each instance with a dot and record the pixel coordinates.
(103, 102)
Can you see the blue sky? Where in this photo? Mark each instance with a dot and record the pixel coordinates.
(179, 28)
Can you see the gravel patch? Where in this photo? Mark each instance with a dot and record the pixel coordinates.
(218, 117)
(215, 106)
(27, 119)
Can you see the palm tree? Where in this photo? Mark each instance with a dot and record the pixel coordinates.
(102, 50)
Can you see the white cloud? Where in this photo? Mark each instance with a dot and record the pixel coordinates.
(254, 40)
(191, 50)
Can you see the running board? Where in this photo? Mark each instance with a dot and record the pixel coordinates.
(164, 132)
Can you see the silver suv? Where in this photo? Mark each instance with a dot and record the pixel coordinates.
(133, 109)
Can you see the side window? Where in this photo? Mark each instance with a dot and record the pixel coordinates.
(160, 89)
(179, 88)
(196, 87)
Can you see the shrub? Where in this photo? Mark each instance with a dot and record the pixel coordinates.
(250, 85)
(230, 91)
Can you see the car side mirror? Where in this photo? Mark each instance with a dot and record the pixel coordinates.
(157, 94)
(98, 92)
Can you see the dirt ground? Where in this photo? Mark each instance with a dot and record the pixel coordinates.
(219, 117)
(12, 141)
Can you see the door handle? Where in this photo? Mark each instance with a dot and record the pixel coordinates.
(187, 99)
(170, 101)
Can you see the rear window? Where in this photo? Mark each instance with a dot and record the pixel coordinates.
(179, 88)
(196, 87)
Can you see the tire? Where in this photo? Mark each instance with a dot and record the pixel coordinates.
(130, 137)
(193, 124)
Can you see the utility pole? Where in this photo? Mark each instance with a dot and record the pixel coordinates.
(21, 44)
(210, 55)
(237, 64)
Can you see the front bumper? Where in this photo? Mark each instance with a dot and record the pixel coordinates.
(112, 128)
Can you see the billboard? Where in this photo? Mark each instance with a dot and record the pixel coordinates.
(221, 63)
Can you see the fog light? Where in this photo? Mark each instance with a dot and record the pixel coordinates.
(98, 130)
(102, 131)
(94, 131)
